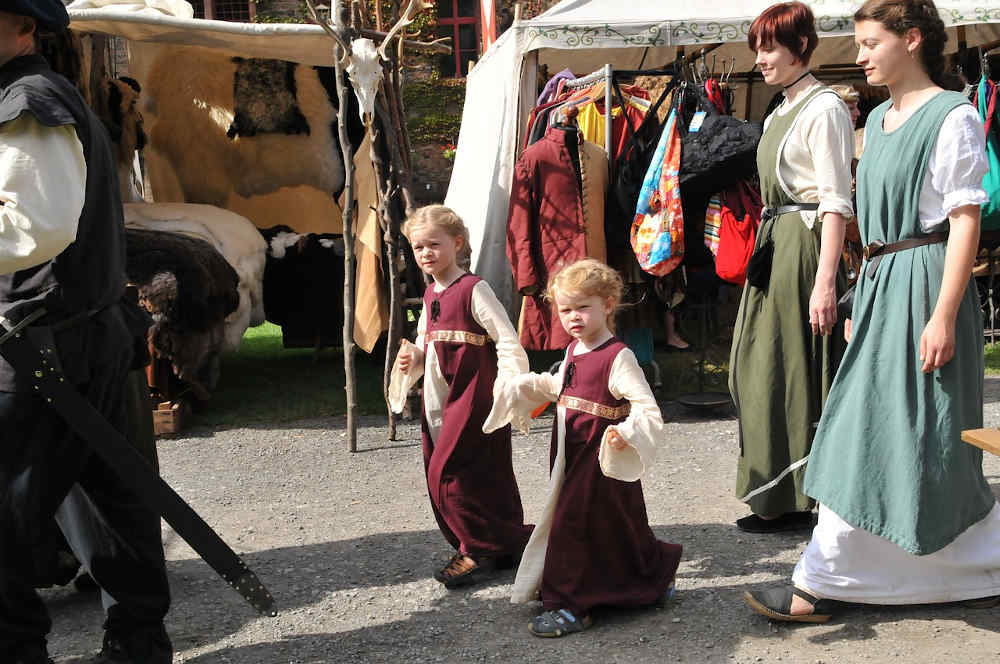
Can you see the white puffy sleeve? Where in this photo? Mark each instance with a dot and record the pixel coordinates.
(642, 429)
(488, 312)
(956, 167)
(401, 383)
(830, 138)
(42, 178)
(520, 396)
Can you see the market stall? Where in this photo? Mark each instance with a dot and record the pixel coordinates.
(584, 36)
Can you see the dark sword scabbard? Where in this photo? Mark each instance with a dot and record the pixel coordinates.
(33, 355)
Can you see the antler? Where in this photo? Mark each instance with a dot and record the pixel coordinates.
(311, 6)
(412, 9)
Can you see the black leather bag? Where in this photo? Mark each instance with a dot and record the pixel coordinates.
(759, 265)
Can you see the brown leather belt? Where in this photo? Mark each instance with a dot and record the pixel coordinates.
(874, 251)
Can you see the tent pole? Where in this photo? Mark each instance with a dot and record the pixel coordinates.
(608, 114)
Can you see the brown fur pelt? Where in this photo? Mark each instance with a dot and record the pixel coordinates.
(188, 289)
(123, 119)
(264, 99)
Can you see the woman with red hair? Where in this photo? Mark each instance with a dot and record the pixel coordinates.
(787, 342)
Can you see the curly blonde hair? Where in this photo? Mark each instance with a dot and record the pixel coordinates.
(587, 277)
(443, 217)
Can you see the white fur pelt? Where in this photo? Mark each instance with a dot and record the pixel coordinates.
(233, 236)
(188, 105)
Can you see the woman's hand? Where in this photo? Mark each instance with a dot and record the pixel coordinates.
(937, 343)
(616, 441)
(823, 306)
(847, 330)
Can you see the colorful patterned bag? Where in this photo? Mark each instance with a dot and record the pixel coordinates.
(713, 221)
(658, 228)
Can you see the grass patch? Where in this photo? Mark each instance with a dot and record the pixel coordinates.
(993, 359)
(263, 382)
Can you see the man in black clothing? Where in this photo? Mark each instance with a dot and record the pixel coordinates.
(62, 249)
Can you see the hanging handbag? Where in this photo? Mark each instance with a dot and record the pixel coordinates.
(657, 234)
(740, 215)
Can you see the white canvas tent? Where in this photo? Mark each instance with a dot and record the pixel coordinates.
(583, 35)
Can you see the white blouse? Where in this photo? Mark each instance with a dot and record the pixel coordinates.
(815, 155)
(42, 179)
(956, 168)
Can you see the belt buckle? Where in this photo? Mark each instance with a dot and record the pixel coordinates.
(872, 249)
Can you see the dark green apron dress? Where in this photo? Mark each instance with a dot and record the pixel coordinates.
(780, 373)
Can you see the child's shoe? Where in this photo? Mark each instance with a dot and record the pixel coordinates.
(553, 624)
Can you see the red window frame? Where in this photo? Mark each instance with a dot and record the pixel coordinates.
(208, 10)
(454, 21)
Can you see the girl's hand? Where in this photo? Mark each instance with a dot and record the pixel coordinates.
(405, 356)
(937, 343)
(823, 307)
(616, 441)
(847, 330)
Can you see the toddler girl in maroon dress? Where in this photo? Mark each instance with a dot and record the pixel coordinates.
(465, 347)
(593, 545)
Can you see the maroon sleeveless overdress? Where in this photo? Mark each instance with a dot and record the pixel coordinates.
(470, 476)
(601, 550)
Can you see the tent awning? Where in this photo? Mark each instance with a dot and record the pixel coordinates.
(294, 42)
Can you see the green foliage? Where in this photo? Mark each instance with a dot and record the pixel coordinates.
(434, 109)
(993, 359)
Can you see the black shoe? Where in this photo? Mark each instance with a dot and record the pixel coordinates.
(147, 645)
(785, 522)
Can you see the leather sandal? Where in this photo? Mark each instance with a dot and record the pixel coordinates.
(776, 604)
(459, 572)
(553, 624)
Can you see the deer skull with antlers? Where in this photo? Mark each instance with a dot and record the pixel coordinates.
(365, 73)
(412, 9)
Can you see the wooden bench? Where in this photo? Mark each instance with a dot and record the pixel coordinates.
(987, 439)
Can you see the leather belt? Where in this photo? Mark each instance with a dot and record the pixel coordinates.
(874, 251)
(771, 213)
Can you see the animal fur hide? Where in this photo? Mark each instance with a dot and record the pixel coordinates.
(189, 289)
(264, 99)
(189, 106)
(304, 287)
(233, 236)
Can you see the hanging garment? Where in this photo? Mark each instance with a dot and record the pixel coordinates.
(658, 228)
(556, 217)
(986, 102)
(549, 92)
(739, 214)
(593, 122)
(719, 150)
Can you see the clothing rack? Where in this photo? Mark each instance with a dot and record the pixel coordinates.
(604, 73)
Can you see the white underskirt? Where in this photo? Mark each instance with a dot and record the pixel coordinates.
(852, 565)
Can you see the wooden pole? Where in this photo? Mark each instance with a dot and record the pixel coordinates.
(339, 14)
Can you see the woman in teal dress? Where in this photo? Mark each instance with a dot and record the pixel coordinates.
(787, 344)
(906, 516)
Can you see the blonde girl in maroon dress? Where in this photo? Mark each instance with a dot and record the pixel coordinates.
(465, 347)
(593, 545)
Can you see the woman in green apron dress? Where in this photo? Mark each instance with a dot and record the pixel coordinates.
(787, 342)
(906, 516)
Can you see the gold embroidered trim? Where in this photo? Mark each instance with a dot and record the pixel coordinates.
(595, 409)
(458, 337)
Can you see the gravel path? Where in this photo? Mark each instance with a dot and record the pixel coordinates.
(346, 542)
